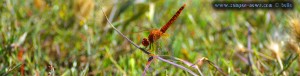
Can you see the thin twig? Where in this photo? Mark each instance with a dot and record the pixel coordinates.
(194, 65)
(148, 65)
(250, 62)
(217, 67)
(124, 35)
(111, 17)
(189, 63)
(177, 65)
(250, 58)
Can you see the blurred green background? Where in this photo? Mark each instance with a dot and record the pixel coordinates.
(72, 37)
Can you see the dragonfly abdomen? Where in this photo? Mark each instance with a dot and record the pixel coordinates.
(166, 26)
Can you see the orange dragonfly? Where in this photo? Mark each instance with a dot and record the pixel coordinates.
(155, 34)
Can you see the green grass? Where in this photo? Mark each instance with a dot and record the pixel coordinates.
(54, 35)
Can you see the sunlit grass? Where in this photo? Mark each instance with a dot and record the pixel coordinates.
(71, 37)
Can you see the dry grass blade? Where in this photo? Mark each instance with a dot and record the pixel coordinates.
(148, 65)
(177, 65)
(189, 63)
(290, 61)
(11, 69)
(193, 65)
(250, 61)
(202, 60)
(217, 67)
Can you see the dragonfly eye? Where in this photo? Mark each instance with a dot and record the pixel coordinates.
(145, 42)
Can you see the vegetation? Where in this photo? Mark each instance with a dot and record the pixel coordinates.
(73, 37)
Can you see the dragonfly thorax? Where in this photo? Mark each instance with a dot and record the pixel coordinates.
(154, 35)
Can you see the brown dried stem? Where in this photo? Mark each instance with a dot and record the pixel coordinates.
(131, 42)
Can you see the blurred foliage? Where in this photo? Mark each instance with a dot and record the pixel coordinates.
(71, 37)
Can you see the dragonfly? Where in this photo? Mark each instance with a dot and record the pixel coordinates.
(156, 34)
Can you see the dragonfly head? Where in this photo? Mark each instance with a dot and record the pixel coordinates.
(145, 42)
